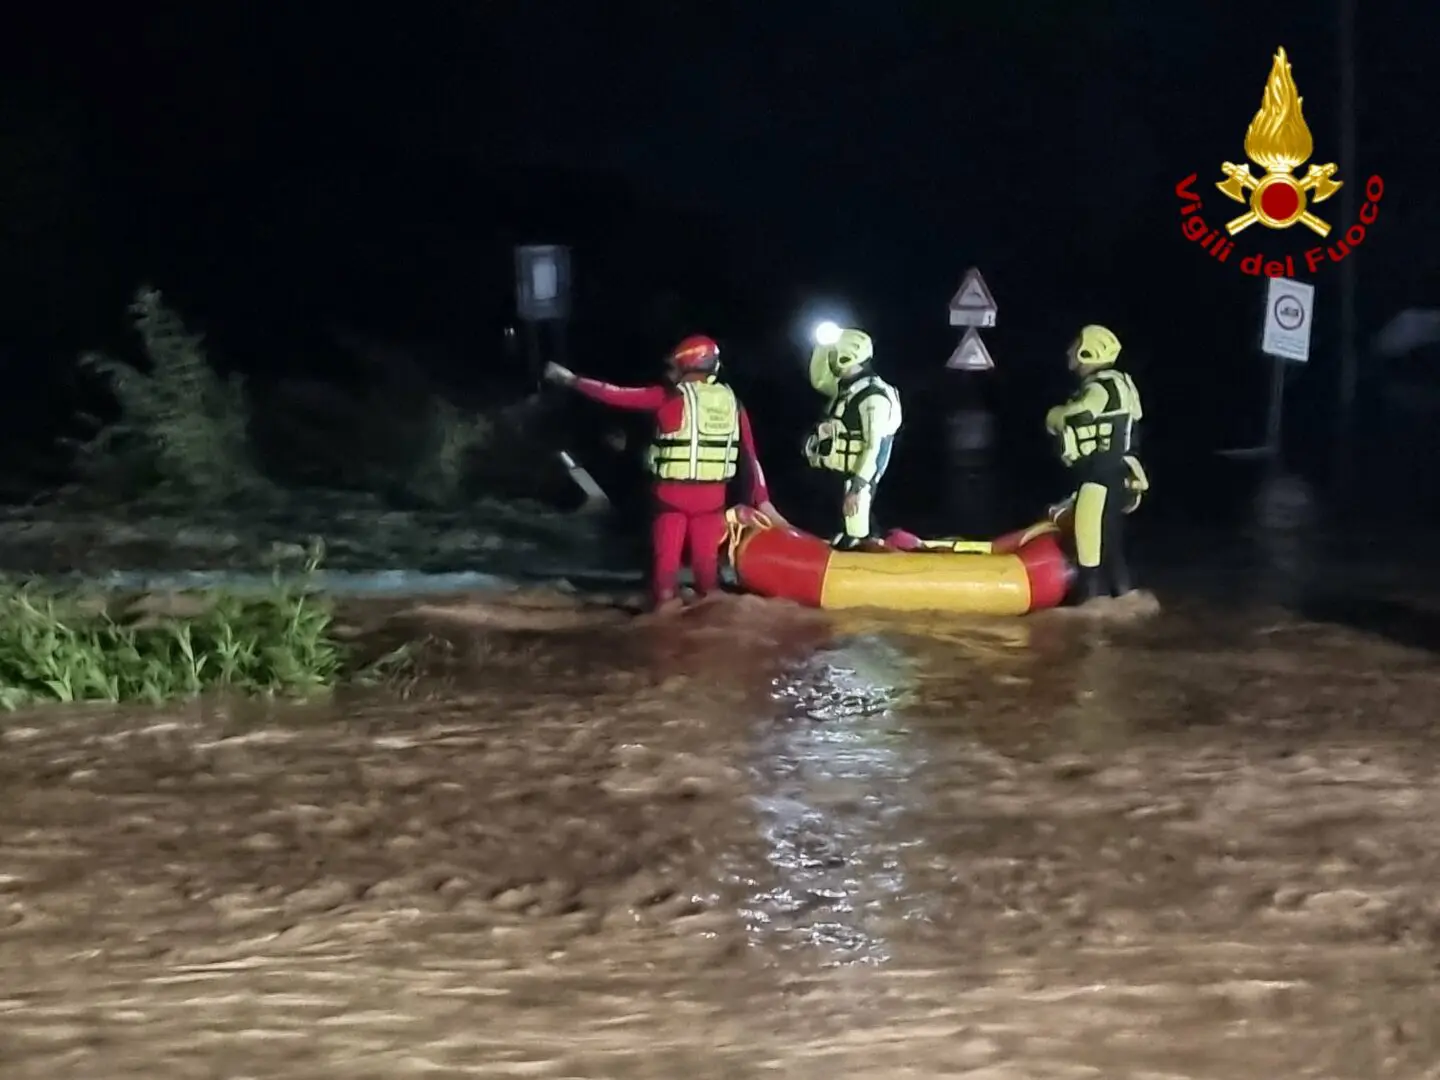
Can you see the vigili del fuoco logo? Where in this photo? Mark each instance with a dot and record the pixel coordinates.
(1278, 141)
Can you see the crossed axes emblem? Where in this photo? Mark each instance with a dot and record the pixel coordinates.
(1317, 183)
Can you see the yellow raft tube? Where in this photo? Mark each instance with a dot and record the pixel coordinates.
(1015, 574)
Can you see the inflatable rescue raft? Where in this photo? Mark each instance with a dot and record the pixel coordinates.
(1014, 574)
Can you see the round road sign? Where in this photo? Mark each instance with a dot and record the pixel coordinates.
(1289, 313)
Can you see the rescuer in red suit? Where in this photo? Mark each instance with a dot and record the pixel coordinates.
(702, 434)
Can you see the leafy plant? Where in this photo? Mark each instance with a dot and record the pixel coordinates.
(181, 425)
(453, 437)
(188, 433)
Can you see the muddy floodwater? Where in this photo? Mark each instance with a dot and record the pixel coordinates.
(747, 842)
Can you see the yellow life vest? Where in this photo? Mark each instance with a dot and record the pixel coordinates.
(838, 442)
(706, 447)
(1110, 433)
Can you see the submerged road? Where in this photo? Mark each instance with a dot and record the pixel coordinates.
(746, 841)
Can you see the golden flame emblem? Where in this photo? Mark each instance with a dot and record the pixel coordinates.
(1278, 140)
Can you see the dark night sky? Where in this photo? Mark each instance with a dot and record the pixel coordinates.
(280, 168)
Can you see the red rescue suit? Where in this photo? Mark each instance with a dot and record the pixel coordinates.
(686, 511)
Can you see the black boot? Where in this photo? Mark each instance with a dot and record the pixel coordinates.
(1118, 576)
(1088, 585)
(846, 542)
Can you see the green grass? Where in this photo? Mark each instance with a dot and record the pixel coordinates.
(63, 645)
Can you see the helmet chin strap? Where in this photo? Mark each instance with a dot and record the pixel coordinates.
(678, 375)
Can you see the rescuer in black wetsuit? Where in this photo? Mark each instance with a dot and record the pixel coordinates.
(1098, 432)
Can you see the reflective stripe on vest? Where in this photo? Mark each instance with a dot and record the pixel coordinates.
(706, 447)
(1111, 432)
(839, 442)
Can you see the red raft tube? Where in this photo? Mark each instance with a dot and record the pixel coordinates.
(1015, 574)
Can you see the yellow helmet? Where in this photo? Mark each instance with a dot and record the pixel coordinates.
(831, 363)
(1096, 347)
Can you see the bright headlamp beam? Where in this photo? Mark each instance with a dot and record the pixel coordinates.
(826, 333)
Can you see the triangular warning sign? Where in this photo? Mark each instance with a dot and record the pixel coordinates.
(970, 354)
(972, 304)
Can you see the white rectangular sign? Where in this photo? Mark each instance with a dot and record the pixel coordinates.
(542, 282)
(1289, 315)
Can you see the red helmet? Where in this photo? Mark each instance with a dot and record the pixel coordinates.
(697, 354)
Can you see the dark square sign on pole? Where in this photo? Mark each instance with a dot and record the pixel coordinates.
(542, 282)
(542, 295)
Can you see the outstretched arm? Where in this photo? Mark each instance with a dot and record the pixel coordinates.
(634, 398)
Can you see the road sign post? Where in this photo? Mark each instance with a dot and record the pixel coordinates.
(971, 430)
(542, 297)
(973, 307)
(1285, 333)
(1285, 338)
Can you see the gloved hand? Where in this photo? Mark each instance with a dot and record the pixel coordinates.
(821, 442)
(1136, 483)
(559, 374)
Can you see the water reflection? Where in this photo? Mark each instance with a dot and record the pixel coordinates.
(1283, 531)
(833, 771)
(1098, 714)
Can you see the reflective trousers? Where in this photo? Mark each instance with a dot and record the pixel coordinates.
(686, 516)
(1100, 503)
(858, 524)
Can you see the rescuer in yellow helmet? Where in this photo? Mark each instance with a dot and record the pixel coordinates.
(857, 432)
(1098, 432)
